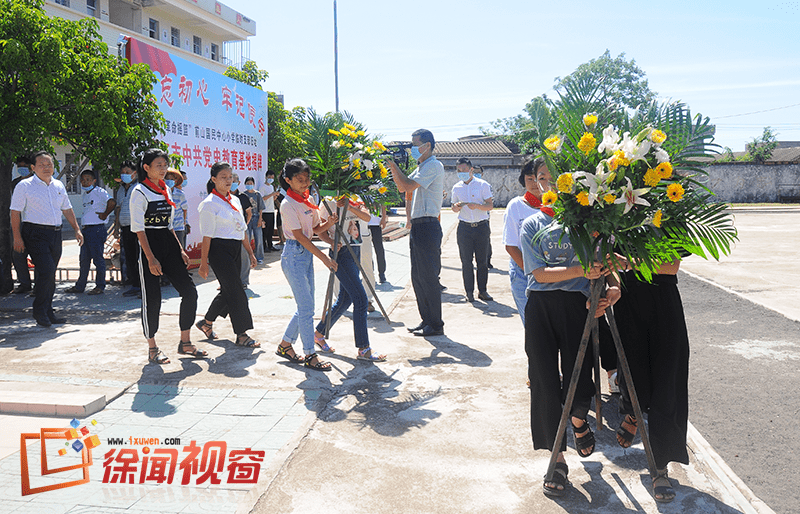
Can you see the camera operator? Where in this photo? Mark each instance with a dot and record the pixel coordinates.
(427, 183)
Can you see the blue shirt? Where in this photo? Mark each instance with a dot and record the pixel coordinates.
(540, 250)
(178, 221)
(428, 196)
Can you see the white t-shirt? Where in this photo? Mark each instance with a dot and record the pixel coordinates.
(218, 220)
(94, 204)
(477, 191)
(516, 212)
(266, 190)
(298, 215)
(40, 203)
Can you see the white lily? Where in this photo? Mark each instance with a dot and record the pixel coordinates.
(610, 140)
(359, 146)
(336, 144)
(367, 164)
(595, 182)
(630, 196)
(641, 150)
(661, 155)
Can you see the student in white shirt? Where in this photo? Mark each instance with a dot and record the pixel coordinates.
(223, 228)
(97, 205)
(268, 193)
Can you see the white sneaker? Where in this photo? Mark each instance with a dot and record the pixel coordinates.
(613, 386)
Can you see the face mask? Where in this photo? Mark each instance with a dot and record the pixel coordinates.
(249, 187)
(234, 186)
(22, 171)
(463, 176)
(87, 189)
(170, 183)
(477, 175)
(185, 181)
(127, 178)
(415, 152)
(270, 180)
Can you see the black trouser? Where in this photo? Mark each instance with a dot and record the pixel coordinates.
(554, 323)
(167, 251)
(269, 229)
(130, 248)
(232, 298)
(425, 242)
(473, 239)
(377, 243)
(653, 331)
(44, 246)
(20, 261)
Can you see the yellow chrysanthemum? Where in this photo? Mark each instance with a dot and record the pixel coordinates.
(675, 192)
(361, 133)
(657, 218)
(565, 182)
(350, 127)
(589, 119)
(587, 142)
(652, 178)
(346, 166)
(553, 143)
(664, 170)
(333, 132)
(369, 173)
(583, 198)
(619, 155)
(382, 190)
(609, 198)
(357, 176)
(612, 163)
(657, 136)
(549, 198)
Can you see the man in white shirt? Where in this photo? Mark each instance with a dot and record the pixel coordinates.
(472, 200)
(36, 208)
(268, 193)
(97, 205)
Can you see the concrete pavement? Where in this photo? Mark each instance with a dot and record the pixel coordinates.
(443, 426)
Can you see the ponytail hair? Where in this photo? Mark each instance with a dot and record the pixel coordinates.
(215, 169)
(292, 168)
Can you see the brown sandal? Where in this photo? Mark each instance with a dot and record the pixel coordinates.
(207, 329)
(197, 353)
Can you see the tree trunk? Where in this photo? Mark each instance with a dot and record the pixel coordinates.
(6, 282)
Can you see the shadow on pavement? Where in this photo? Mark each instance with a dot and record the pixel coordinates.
(447, 351)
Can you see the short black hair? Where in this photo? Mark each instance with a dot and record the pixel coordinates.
(127, 164)
(215, 169)
(40, 153)
(426, 136)
(530, 168)
(270, 172)
(89, 171)
(464, 160)
(249, 179)
(24, 159)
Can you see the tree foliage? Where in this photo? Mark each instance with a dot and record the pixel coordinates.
(284, 133)
(249, 74)
(760, 148)
(59, 84)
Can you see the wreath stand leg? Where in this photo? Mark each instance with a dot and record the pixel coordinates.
(591, 328)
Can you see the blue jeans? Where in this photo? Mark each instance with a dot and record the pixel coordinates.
(519, 288)
(94, 237)
(253, 232)
(297, 264)
(350, 291)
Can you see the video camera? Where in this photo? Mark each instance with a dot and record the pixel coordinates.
(397, 152)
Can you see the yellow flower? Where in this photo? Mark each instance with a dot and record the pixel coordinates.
(609, 198)
(664, 170)
(583, 198)
(553, 143)
(675, 192)
(350, 127)
(565, 182)
(612, 163)
(657, 136)
(384, 171)
(652, 178)
(356, 163)
(382, 190)
(345, 166)
(357, 176)
(361, 133)
(587, 142)
(657, 219)
(619, 155)
(549, 198)
(333, 132)
(589, 119)
(369, 174)
(379, 146)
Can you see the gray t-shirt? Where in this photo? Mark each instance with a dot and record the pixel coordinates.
(428, 196)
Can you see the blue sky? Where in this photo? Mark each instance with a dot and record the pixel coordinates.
(455, 66)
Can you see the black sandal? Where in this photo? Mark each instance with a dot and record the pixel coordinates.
(207, 329)
(666, 491)
(559, 478)
(197, 353)
(624, 434)
(283, 351)
(319, 366)
(585, 441)
(246, 341)
(156, 356)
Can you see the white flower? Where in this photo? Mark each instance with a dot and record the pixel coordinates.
(630, 196)
(336, 144)
(367, 164)
(355, 156)
(610, 140)
(641, 150)
(359, 146)
(595, 182)
(661, 155)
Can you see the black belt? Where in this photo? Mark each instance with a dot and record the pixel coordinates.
(52, 228)
(424, 219)
(473, 225)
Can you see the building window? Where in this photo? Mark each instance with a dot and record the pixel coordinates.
(197, 45)
(65, 3)
(176, 37)
(214, 52)
(153, 28)
(91, 8)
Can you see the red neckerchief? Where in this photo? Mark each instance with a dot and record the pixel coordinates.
(537, 204)
(301, 198)
(160, 188)
(225, 199)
